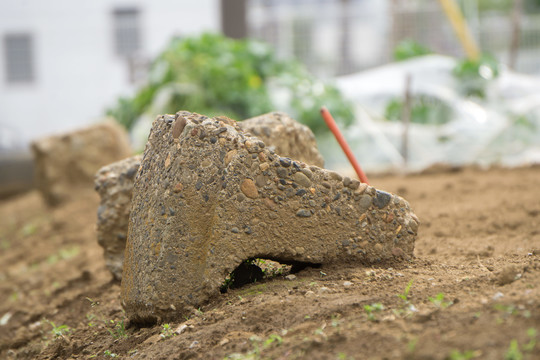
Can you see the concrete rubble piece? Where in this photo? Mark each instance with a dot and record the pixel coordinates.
(208, 196)
(114, 182)
(65, 164)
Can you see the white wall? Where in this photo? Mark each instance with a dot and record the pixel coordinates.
(77, 73)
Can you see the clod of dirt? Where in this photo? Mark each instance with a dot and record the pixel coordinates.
(67, 163)
(114, 182)
(241, 200)
(508, 275)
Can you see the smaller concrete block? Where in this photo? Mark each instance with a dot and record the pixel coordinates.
(68, 162)
(114, 183)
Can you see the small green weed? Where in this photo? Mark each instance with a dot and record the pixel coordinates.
(343, 356)
(411, 345)
(119, 330)
(405, 295)
(407, 309)
(439, 302)
(372, 309)
(335, 320)
(510, 310)
(110, 354)
(90, 318)
(466, 355)
(29, 229)
(513, 352)
(531, 333)
(93, 303)
(166, 331)
(59, 331)
(259, 346)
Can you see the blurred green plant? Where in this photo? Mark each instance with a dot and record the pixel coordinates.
(424, 110)
(474, 75)
(215, 75)
(409, 49)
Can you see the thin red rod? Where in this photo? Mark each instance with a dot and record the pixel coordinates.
(330, 122)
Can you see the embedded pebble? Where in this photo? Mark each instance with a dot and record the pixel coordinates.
(302, 179)
(381, 199)
(303, 213)
(249, 189)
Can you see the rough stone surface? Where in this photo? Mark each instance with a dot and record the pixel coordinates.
(183, 244)
(285, 136)
(68, 162)
(113, 214)
(114, 183)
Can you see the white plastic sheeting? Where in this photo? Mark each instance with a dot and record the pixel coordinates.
(503, 128)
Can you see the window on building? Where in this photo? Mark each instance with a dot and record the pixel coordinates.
(127, 32)
(19, 58)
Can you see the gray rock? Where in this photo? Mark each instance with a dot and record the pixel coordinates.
(175, 263)
(66, 163)
(114, 183)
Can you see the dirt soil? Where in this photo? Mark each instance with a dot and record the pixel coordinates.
(473, 290)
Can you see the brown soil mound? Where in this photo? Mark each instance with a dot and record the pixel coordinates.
(473, 289)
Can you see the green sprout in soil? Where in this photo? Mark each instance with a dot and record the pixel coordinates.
(90, 318)
(513, 352)
(59, 331)
(530, 346)
(372, 309)
(93, 303)
(405, 295)
(336, 320)
(110, 354)
(465, 355)
(29, 229)
(259, 346)
(411, 345)
(406, 307)
(509, 311)
(439, 302)
(167, 331)
(119, 330)
(343, 356)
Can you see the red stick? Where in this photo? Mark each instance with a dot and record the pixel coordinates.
(330, 122)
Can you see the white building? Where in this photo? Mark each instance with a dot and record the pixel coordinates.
(63, 62)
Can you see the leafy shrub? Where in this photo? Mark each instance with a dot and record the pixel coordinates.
(214, 75)
(424, 110)
(409, 49)
(475, 74)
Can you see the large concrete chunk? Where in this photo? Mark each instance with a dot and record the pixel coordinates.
(285, 136)
(65, 163)
(114, 183)
(208, 197)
